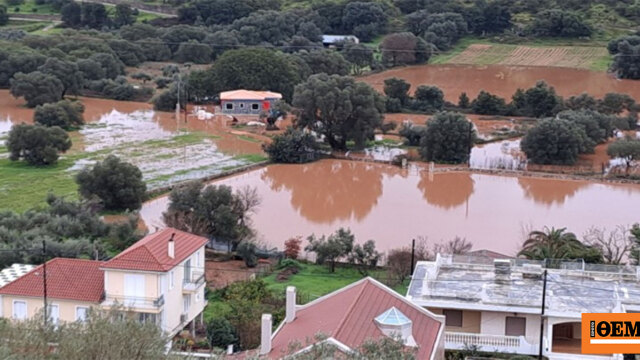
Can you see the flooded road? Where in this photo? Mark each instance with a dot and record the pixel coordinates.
(504, 80)
(392, 206)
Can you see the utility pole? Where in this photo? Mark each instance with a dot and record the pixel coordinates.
(413, 254)
(544, 295)
(44, 280)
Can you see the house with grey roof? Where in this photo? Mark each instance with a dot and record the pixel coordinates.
(496, 304)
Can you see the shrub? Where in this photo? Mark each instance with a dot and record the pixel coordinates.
(289, 264)
(247, 251)
(555, 142)
(412, 134)
(221, 333)
(488, 104)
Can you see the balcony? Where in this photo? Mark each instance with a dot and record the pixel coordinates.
(192, 282)
(489, 343)
(134, 303)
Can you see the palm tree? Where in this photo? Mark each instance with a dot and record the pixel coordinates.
(552, 244)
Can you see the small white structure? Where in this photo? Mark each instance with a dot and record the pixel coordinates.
(330, 40)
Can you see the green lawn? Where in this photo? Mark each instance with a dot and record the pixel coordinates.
(314, 281)
(23, 187)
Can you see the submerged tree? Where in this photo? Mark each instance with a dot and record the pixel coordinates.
(37, 144)
(339, 108)
(448, 138)
(627, 149)
(294, 146)
(65, 114)
(37, 88)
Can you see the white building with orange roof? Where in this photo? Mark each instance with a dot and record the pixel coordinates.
(247, 102)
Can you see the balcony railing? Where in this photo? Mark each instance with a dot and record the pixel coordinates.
(193, 281)
(501, 343)
(134, 302)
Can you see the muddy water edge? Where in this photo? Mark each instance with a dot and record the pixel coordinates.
(393, 205)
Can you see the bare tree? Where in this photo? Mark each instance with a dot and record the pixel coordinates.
(615, 245)
(399, 260)
(456, 246)
(247, 202)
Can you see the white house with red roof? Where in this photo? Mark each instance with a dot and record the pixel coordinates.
(348, 317)
(159, 279)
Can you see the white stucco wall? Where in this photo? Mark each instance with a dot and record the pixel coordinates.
(495, 323)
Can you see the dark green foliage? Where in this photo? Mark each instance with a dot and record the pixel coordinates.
(94, 15)
(221, 333)
(582, 101)
(37, 88)
(117, 184)
(403, 49)
(12, 62)
(214, 211)
(138, 31)
(558, 244)
(614, 103)
(37, 145)
(123, 15)
(448, 138)
(325, 61)
(90, 70)
(176, 35)
(488, 17)
(247, 251)
(397, 89)
(294, 146)
(166, 100)
(412, 134)
(360, 56)
(488, 104)
(110, 64)
(71, 14)
(463, 101)
(634, 255)
(71, 229)
(223, 11)
(221, 41)
(154, 49)
(538, 101)
(614, 45)
(4, 16)
(131, 54)
(194, 52)
(393, 105)
(365, 257)
(627, 149)
(441, 29)
(253, 69)
(597, 126)
(559, 23)
(626, 64)
(428, 99)
(67, 72)
(555, 142)
(358, 15)
(339, 108)
(331, 249)
(119, 89)
(65, 114)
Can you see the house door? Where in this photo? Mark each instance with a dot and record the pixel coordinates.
(133, 289)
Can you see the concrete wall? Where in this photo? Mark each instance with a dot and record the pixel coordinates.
(66, 308)
(243, 107)
(114, 283)
(470, 321)
(495, 323)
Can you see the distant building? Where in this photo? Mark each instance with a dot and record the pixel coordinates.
(247, 102)
(364, 310)
(159, 279)
(332, 40)
(495, 304)
(13, 272)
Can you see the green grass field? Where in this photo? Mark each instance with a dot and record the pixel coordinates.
(30, 7)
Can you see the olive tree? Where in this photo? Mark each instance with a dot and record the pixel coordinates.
(627, 149)
(333, 248)
(65, 114)
(339, 108)
(37, 144)
(554, 142)
(117, 184)
(37, 88)
(294, 146)
(448, 138)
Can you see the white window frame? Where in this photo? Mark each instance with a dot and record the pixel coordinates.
(171, 284)
(49, 312)
(13, 310)
(86, 313)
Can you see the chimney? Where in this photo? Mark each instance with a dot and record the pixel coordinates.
(172, 246)
(265, 336)
(291, 304)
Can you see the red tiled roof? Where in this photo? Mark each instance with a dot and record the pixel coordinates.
(72, 279)
(347, 315)
(151, 252)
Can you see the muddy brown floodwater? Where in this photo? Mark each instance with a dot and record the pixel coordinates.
(505, 80)
(393, 206)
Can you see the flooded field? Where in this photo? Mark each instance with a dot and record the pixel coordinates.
(165, 149)
(393, 206)
(504, 80)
